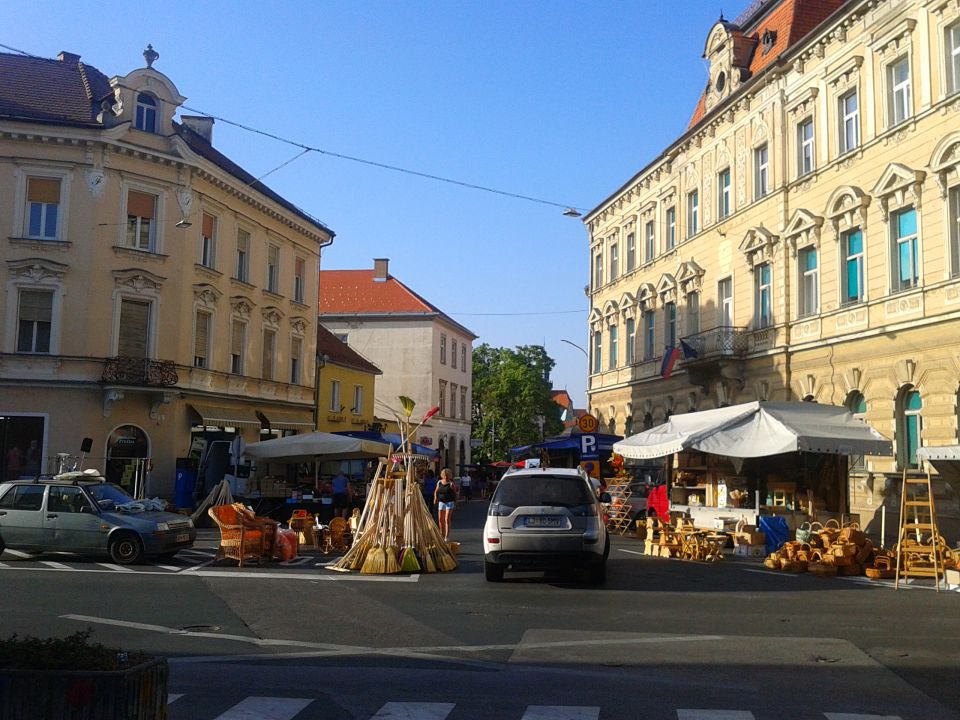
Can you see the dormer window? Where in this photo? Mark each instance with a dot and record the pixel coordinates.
(768, 40)
(721, 82)
(146, 118)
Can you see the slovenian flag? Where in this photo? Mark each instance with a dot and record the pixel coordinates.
(670, 356)
(689, 351)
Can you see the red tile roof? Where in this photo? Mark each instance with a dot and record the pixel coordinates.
(65, 91)
(339, 353)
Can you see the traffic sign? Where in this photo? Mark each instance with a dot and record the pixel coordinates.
(588, 423)
(589, 447)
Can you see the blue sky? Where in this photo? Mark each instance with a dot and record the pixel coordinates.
(558, 100)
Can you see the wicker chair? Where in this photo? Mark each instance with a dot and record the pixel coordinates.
(240, 537)
(339, 536)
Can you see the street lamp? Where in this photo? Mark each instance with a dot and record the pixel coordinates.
(322, 359)
(569, 342)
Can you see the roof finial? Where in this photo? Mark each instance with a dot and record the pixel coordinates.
(722, 18)
(150, 55)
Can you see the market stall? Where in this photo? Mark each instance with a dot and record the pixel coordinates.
(757, 459)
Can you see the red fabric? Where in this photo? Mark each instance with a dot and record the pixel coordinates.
(658, 502)
(286, 545)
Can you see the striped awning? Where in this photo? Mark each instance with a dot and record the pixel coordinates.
(289, 419)
(220, 416)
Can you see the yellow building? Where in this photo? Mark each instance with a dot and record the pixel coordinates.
(347, 386)
(153, 292)
(802, 237)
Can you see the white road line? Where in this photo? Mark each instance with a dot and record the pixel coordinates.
(714, 715)
(18, 553)
(265, 708)
(172, 568)
(173, 697)
(117, 568)
(171, 571)
(560, 712)
(772, 572)
(632, 552)
(193, 569)
(4, 565)
(56, 565)
(298, 561)
(858, 716)
(414, 711)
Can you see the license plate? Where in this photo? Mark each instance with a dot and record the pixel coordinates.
(183, 538)
(538, 521)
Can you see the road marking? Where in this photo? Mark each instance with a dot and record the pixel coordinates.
(118, 568)
(18, 553)
(173, 697)
(265, 708)
(772, 572)
(56, 565)
(560, 712)
(172, 568)
(858, 716)
(172, 571)
(632, 552)
(297, 561)
(193, 569)
(414, 711)
(714, 715)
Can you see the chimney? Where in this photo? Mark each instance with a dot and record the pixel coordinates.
(380, 269)
(200, 124)
(68, 57)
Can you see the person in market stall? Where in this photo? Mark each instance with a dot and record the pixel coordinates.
(342, 495)
(429, 488)
(445, 496)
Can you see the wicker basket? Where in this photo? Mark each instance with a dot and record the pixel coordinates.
(853, 534)
(803, 533)
(822, 569)
(772, 561)
(830, 532)
(793, 566)
(875, 573)
(850, 570)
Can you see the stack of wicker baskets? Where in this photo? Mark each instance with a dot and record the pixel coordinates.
(830, 549)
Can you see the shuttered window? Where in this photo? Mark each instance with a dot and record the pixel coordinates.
(299, 276)
(238, 334)
(141, 223)
(273, 268)
(35, 316)
(208, 241)
(201, 340)
(269, 351)
(296, 354)
(134, 329)
(43, 206)
(243, 256)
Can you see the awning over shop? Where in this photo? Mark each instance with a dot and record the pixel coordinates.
(310, 446)
(391, 438)
(224, 416)
(759, 429)
(289, 419)
(946, 460)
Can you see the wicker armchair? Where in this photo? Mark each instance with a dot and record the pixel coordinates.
(240, 536)
(339, 535)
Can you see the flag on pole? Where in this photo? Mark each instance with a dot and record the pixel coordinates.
(688, 350)
(670, 356)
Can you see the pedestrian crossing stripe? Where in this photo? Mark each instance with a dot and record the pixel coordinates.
(414, 711)
(560, 712)
(265, 708)
(714, 715)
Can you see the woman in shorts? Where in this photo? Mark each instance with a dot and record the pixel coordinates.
(445, 496)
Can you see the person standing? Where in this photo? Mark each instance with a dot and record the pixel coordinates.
(466, 485)
(445, 496)
(341, 495)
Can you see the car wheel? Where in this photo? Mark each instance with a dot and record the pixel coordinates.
(606, 550)
(3, 546)
(125, 548)
(492, 572)
(597, 574)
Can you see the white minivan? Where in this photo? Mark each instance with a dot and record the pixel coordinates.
(545, 519)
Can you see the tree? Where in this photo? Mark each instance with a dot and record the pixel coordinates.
(511, 391)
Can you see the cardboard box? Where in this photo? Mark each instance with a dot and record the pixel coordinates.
(953, 579)
(750, 551)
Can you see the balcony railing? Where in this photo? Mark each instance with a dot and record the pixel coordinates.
(725, 341)
(139, 371)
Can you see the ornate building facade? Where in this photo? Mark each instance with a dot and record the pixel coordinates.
(802, 237)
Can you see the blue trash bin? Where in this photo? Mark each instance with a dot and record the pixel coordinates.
(185, 485)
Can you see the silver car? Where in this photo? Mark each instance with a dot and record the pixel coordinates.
(81, 516)
(545, 519)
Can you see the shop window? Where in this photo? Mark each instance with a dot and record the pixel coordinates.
(34, 319)
(128, 452)
(628, 426)
(647, 421)
(146, 113)
(903, 230)
(43, 208)
(21, 443)
(853, 272)
(909, 426)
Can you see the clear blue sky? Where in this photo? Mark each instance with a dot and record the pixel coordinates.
(558, 100)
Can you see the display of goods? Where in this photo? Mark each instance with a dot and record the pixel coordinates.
(851, 569)
(793, 566)
(803, 552)
(866, 552)
(804, 532)
(830, 532)
(772, 561)
(883, 568)
(853, 534)
(822, 569)
(844, 550)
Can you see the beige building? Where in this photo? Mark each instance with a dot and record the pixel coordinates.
(153, 292)
(802, 237)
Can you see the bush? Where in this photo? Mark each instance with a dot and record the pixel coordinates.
(74, 652)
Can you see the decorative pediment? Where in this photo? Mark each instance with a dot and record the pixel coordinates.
(242, 305)
(894, 39)
(647, 296)
(845, 73)
(596, 318)
(206, 294)
(667, 288)
(272, 315)
(299, 324)
(758, 245)
(690, 276)
(847, 207)
(628, 302)
(648, 209)
(803, 230)
(898, 186)
(138, 280)
(945, 161)
(37, 270)
(803, 102)
(610, 312)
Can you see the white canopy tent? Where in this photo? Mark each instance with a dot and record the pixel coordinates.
(946, 460)
(311, 446)
(759, 429)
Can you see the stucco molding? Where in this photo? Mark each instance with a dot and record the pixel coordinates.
(945, 162)
(803, 230)
(759, 245)
(847, 207)
(899, 185)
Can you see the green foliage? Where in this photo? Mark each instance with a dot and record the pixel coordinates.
(74, 652)
(511, 388)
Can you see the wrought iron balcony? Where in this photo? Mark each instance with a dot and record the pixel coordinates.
(139, 371)
(719, 342)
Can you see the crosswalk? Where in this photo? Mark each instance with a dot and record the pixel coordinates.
(292, 708)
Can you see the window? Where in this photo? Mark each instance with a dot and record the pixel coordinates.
(443, 398)
(598, 270)
(43, 208)
(649, 334)
(693, 210)
(269, 353)
(909, 426)
(899, 103)
(954, 230)
(208, 241)
(357, 400)
(299, 279)
(764, 294)
(613, 335)
(443, 349)
(670, 324)
(809, 281)
(693, 313)
(952, 45)
(146, 114)
(904, 232)
(334, 405)
(614, 261)
(631, 251)
(238, 340)
(133, 338)
(463, 403)
(34, 318)
(296, 359)
(849, 122)
(761, 172)
(725, 301)
(723, 194)
(631, 341)
(201, 340)
(597, 351)
(342, 337)
(273, 269)
(24, 497)
(649, 244)
(853, 266)
(805, 159)
(453, 354)
(453, 399)
(242, 269)
(671, 240)
(463, 358)
(141, 221)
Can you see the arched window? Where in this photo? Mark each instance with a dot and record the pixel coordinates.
(628, 426)
(613, 426)
(146, 118)
(909, 425)
(647, 421)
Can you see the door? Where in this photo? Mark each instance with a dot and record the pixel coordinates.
(71, 524)
(21, 516)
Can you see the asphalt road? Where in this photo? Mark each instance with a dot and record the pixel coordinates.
(661, 639)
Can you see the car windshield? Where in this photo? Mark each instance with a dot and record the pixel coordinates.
(553, 490)
(108, 495)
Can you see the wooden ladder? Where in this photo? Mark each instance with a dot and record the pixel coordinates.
(920, 551)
